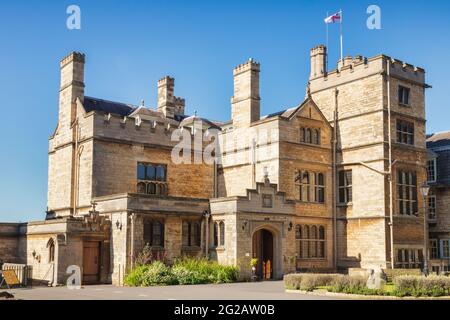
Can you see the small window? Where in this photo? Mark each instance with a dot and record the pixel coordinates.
(403, 95)
(308, 136)
(191, 234)
(216, 234)
(267, 201)
(345, 187)
(222, 234)
(51, 250)
(320, 188)
(432, 208)
(445, 249)
(154, 233)
(152, 179)
(302, 135)
(405, 132)
(431, 170)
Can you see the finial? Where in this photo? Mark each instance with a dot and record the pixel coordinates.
(308, 89)
(195, 113)
(142, 103)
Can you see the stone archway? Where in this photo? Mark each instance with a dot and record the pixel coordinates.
(263, 243)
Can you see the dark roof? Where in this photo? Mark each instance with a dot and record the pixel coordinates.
(94, 104)
(438, 140)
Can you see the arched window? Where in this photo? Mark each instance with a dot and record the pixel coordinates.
(51, 250)
(151, 188)
(308, 136)
(141, 187)
(310, 241)
(305, 242)
(321, 243)
(313, 243)
(154, 233)
(317, 137)
(216, 234)
(222, 233)
(302, 134)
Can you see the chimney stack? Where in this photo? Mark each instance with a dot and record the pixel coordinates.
(245, 103)
(318, 62)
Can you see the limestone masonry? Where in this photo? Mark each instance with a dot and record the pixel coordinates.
(333, 186)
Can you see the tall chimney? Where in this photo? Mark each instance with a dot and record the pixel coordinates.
(245, 103)
(318, 62)
(166, 99)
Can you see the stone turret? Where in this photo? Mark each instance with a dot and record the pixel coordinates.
(318, 62)
(168, 104)
(246, 100)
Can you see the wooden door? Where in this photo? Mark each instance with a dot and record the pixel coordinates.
(91, 262)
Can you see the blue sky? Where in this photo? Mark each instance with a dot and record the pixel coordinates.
(131, 44)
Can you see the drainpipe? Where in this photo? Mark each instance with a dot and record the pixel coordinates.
(133, 217)
(336, 93)
(391, 187)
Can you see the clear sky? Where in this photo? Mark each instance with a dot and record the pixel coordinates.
(129, 45)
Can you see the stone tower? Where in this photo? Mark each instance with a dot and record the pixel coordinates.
(361, 101)
(246, 100)
(62, 143)
(168, 104)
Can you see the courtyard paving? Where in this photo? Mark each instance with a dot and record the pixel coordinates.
(273, 290)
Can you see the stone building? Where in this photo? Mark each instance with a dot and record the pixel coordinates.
(330, 184)
(438, 201)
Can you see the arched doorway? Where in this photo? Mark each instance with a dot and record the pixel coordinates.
(263, 251)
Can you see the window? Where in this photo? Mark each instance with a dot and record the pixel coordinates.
(445, 249)
(51, 250)
(405, 132)
(409, 258)
(407, 193)
(310, 136)
(311, 186)
(310, 242)
(191, 234)
(216, 234)
(345, 187)
(431, 208)
(403, 95)
(267, 201)
(434, 251)
(431, 170)
(222, 234)
(152, 179)
(319, 187)
(154, 233)
(305, 185)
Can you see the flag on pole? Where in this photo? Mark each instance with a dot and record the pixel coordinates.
(337, 17)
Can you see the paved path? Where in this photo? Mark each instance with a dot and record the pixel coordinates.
(272, 290)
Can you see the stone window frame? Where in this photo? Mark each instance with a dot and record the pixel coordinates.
(219, 234)
(432, 170)
(405, 132)
(153, 186)
(194, 233)
(267, 201)
(51, 250)
(408, 258)
(434, 249)
(310, 136)
(152, 224)
(345, 187)
(407, 193)
(311, 242)
(444, 245)
(404, 93)
(431, 208)
(309, 186)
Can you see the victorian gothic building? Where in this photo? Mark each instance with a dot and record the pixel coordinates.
(334, 186)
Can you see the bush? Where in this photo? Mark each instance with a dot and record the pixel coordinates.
(184, 271)
(418, 286)
(308, 281)
(156, 273)
(391, 274)
(353, 285)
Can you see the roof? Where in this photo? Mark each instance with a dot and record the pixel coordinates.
(189, 120)
(438, 140)
(94, 104)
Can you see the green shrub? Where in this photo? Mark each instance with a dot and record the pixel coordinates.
(156, 273)
(419, 286)
(184, 271)
(308, 281)
(391, 274)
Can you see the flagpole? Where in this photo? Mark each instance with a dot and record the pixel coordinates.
(326, 57)
(342, 41)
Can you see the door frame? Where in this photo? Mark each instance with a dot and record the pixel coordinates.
(98, 275)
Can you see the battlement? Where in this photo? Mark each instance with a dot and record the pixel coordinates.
(166, 81)
(249, 65)
(73, 56)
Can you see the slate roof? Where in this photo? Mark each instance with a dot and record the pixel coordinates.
(438, 140)
(94, 104)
